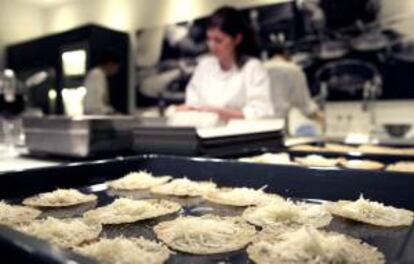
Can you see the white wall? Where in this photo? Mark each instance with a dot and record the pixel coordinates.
(403, 9)
(19, 22)
(129, 15)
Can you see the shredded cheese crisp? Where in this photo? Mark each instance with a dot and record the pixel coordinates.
(270, 158)
(333, 147)
(289, 213)
(274, 231)
(124, 210)
(14, 215)
(362, 164)
(63, 232)
(140, 180)
(317, 161)
(184, 187)
(374, 149)
(402, 166)
(310, 246)
(59, 198)
(205, 235)
(240, 196)
(306, 148)
(122, 250)
(371, 212)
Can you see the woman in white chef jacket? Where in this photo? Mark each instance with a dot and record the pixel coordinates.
(230, 81)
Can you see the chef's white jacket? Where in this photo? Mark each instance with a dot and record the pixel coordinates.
(289, 88)
(244, 89)
(96, 101)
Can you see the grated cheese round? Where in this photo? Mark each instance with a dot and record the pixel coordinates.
(205, 235)
(123, 250)
(362, 164)
(317, 161)
(63, 232)
(375, 149)
(240, 196)
(306, 148)
(402, 166)
(14, 215)
(59, 198)
(371, 212)
(272, 232)
(333, 147)
(310, 246)
(289, 213)
(140, 180)
(124, 210)
(270, 158)
(184, 187)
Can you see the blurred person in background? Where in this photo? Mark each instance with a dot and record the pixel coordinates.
(289, 87)
(97, 101)
(231, 81)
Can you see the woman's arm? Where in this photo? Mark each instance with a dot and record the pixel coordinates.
(303, 100)
(224, 113)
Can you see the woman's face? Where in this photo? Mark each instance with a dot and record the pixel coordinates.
(222, 45)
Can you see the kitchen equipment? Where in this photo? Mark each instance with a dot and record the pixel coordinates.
(331, 50)
(351, 79)
(80, 137)
(370, 42)
(348, 76)
(236, 137)
(397, 130)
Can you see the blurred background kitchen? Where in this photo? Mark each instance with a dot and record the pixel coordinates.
(357, 57)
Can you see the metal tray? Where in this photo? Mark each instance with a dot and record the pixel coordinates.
(384, 158)
(299, 183)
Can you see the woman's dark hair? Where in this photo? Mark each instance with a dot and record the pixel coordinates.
(232, 22)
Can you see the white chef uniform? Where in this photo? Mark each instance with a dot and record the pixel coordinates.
(96, 101)
(244, 89)
(289, 88)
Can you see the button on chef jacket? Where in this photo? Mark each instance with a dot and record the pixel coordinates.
(289, 88)
(244, 89)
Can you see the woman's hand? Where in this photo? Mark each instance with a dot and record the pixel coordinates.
(184, 107)
(223, 113)
(320, 119)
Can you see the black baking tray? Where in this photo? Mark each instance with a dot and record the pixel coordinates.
(296, 182)
(384, 159)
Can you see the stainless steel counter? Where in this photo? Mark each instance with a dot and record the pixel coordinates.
(17, 161)
(20, 163)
